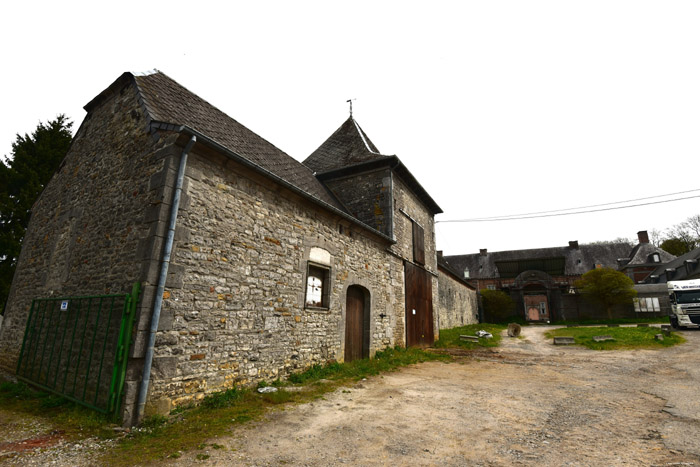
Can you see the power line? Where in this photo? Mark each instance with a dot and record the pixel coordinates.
(582, 207)
(526, 216)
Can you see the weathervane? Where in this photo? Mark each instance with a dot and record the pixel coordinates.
(350, 102)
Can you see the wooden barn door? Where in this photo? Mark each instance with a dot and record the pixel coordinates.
(419, 307)
(355, 320)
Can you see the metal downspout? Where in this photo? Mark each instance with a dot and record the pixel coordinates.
(158, 304)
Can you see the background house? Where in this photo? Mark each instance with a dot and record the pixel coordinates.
(541, 281)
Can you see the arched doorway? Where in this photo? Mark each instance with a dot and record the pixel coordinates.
(356, 323)
(534, 288)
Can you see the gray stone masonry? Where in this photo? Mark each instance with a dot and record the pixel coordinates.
(368, 197)
(458, 303)
(235, 305)
(94, 229)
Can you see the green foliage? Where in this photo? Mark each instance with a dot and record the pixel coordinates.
(624, 337)
(676, 246)
(384, 360)
(450, 337)
(222, 399)
(607, 287)
(498, 305)
(28, 169)
(154, 421)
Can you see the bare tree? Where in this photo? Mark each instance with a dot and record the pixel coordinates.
(656, 237)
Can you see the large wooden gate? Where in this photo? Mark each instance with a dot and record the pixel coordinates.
(419, 307)
(356, 324)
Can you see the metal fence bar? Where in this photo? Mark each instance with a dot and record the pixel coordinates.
(92, 348)
(36, 336)
(26, 335)
(119, 373)
(80, 351)
(57, 339)
(70, 352)
(104, 348)
(60, 353)
(49, 327)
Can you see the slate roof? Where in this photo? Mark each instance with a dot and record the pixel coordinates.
(446, 268)
(348, 145)
(678, 264)
(349, 151)
(641, 253)
(166, 101)
(576, 261)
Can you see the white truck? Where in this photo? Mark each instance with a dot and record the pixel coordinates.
(685, 303)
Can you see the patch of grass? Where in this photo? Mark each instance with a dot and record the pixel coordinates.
(223, 399)
(450, 337)
(75, 420)
(218, 412)
(589, 322)
(385, 360)
(625, 337)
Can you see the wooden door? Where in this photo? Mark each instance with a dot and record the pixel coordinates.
(419, 307)
(354, 324)
(536, 307)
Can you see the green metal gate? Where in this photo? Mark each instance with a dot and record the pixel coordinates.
(77, 347)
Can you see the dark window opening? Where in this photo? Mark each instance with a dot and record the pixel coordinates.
(418, 244)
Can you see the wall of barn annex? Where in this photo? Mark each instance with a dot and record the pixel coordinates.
(407, 209)
(234, 311)
(458, 305)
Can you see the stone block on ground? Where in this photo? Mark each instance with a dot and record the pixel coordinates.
(603, 338)
(564, 340)
(469, 338)
(659, 337)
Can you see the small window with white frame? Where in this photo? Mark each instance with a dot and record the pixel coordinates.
(317, 286)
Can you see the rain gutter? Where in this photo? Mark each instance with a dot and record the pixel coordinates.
(158, 304)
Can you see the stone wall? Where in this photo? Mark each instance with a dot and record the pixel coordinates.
(87, 229)
(407, 209)
(458, 303)
(368, 197)
(234, 308)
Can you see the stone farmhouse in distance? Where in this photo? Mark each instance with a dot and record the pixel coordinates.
(541, 281)
(274, 265)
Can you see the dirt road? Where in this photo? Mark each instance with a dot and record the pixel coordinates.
(526, 403)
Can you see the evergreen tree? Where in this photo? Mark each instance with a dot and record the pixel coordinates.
(23, 175)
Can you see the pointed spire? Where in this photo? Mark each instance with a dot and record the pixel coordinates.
(350, 102)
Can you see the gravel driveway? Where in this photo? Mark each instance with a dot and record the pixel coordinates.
(525, 403)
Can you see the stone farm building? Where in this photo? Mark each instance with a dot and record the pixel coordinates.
(276, 265)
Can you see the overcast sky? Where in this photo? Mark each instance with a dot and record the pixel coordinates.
(497, 107)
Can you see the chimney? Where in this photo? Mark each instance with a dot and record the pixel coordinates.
(439, 253)
(483, 251)
(643, 236)
(573, 245)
